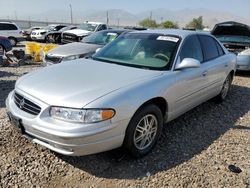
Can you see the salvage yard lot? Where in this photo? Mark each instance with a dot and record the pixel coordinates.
(194, 150)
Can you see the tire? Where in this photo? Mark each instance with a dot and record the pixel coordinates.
(143, 131)
(13, 41)
(224, 90)
(2, 56)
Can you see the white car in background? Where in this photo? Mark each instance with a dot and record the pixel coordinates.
(40, 34)
(11, 31)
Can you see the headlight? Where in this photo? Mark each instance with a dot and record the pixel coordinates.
(81, 115)
(73, 57)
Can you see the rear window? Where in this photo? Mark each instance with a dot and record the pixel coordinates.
(5, 26)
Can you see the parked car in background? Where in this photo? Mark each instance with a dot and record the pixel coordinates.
(39, 35)
(122, 96)
(236, 38)
(11, 31)
(55, 36)
(27, 32)
(82, 49)
(83, 30)
(5, 46)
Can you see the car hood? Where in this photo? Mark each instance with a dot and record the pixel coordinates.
(231, 29)
(75, 48)
(77, 83)
(78, 32)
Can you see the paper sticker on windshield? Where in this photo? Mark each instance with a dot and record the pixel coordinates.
(113, 34)
(168, 38)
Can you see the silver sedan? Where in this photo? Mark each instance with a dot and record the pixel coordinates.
(123, 95)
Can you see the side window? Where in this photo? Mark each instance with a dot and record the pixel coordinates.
(191, 49)
(1, 26)
(10, 27)
(102, 27)
(209, 47)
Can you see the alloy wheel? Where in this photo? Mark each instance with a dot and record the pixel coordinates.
(145, 132)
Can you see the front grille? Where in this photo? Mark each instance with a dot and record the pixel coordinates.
(68, 38)
(52, 59)
(26, 105)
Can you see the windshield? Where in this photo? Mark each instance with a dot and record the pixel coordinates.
(234, 39)
(142, 50)
(101, 38)
(49, 28)
(88, 26)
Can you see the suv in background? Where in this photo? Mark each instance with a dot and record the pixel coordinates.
(11, 31)
(83, 30)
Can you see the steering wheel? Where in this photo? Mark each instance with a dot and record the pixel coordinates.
(162, 57)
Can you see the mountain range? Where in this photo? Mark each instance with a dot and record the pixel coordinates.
(125, 18)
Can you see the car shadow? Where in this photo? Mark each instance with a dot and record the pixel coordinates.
(6, 74)
(243, 73)
(6, 86)
(181, 140)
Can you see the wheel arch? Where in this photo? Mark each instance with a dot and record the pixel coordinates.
(159, 102)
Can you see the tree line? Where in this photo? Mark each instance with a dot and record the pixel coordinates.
(196, 23)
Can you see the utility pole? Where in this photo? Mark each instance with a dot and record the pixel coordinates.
(71, 14)
(150, 17)
(107, 18)
(15, 15)
(118, 22)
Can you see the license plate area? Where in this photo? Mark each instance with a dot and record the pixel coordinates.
(16, 122)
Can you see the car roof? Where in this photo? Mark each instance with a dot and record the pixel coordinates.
(115, 30)
(6, 22)
(179, 32)
(97, 23)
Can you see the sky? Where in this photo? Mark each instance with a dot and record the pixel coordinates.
(21, 8)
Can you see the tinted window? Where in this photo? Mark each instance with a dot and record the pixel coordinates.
(102, 27)
(191, 49)
(209, 47)
(4, 26)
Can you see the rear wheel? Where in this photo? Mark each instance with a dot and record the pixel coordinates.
(143, 131)
(225, 89)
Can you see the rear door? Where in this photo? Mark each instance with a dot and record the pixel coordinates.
(214, 64)
(12, 30)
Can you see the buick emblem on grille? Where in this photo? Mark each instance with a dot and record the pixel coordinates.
(21, 104)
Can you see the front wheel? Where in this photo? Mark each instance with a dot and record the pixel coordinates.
(225, 89)
(143, 131)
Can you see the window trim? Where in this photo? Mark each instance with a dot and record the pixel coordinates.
(183, 43)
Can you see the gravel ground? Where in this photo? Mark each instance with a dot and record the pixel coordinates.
(195, 150)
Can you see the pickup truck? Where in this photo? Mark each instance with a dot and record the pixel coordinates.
(83, 30)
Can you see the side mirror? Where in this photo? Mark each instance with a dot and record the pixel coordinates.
(97, 50)
(188, 63)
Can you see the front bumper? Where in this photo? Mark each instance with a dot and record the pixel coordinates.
(243, 62)
(38, 37)
(67, 138)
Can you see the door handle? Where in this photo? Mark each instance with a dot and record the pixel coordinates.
(204, 73)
